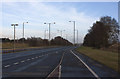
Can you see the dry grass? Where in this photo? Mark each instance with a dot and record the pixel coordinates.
(0, 45)
(107, 58)
(17, 45)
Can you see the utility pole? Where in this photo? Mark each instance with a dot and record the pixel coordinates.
(73, 31)
(45, 34)
(66, 39)
(77, 36)
(23, 31)
(14, 35)
(49, 30)
(61, 31)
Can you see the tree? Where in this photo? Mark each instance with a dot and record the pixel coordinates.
(113, 28)
(102, 33)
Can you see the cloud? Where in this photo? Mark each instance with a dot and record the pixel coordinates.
(60, 0)
(37, 13)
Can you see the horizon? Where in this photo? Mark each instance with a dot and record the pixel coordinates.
(84, 13)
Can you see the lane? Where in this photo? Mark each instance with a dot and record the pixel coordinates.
(35, 65)
(100, 69)
(95, 75)
(61, 63)
(31, 52)
(21, 57)
(72, 67)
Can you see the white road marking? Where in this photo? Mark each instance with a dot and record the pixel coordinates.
(57, 67)
(86, 66)
(32, 58)
(28, 59)
(7, 66)
(59, 71)
(16, 63)
(22, 61)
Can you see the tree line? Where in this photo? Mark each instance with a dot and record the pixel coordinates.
(103, 33)
(37, 41)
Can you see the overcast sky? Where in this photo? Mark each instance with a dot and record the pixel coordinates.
(36, 13)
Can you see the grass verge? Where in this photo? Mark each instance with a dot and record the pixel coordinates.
(17, 45)
(107, 58)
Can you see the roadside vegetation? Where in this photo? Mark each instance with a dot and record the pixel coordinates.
(0, 45)
(103, 33)
(107, 58)
(33, 42)
(9, 45)
(101, 43)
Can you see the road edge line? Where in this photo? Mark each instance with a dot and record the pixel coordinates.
(86, 65)
(59, 71)
(57, 67)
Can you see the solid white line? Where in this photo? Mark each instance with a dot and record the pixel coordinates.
(59, 71)
(56, 67)
(86, 66)
(16, 63)
(7, 66)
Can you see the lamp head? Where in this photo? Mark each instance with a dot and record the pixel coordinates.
(12, 24)
(16, 24)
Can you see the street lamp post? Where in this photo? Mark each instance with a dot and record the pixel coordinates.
(49, 30)
(73, 31)
(61, 31)
(66, 39)
(45, 34)
(23, 30)
(14, 35)
(77, 36)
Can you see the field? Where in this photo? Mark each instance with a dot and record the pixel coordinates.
(107, 58)
(17, 45)
(8, 47)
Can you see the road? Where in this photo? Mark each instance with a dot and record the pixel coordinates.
(53, 62)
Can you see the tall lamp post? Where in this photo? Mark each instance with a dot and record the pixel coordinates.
(14, 35)
(61, 31)
(73, 31)
(45, 34)
(23, 31)
(77, 36)
(49, 29)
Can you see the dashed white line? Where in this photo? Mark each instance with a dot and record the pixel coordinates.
(28, 59)
(86, 65)
(7, 66)
(32, 58)
(22, 61)
(16, 63)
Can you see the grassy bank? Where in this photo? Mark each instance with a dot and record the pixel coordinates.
(109, 59)
(17, 45)
(8, 47)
